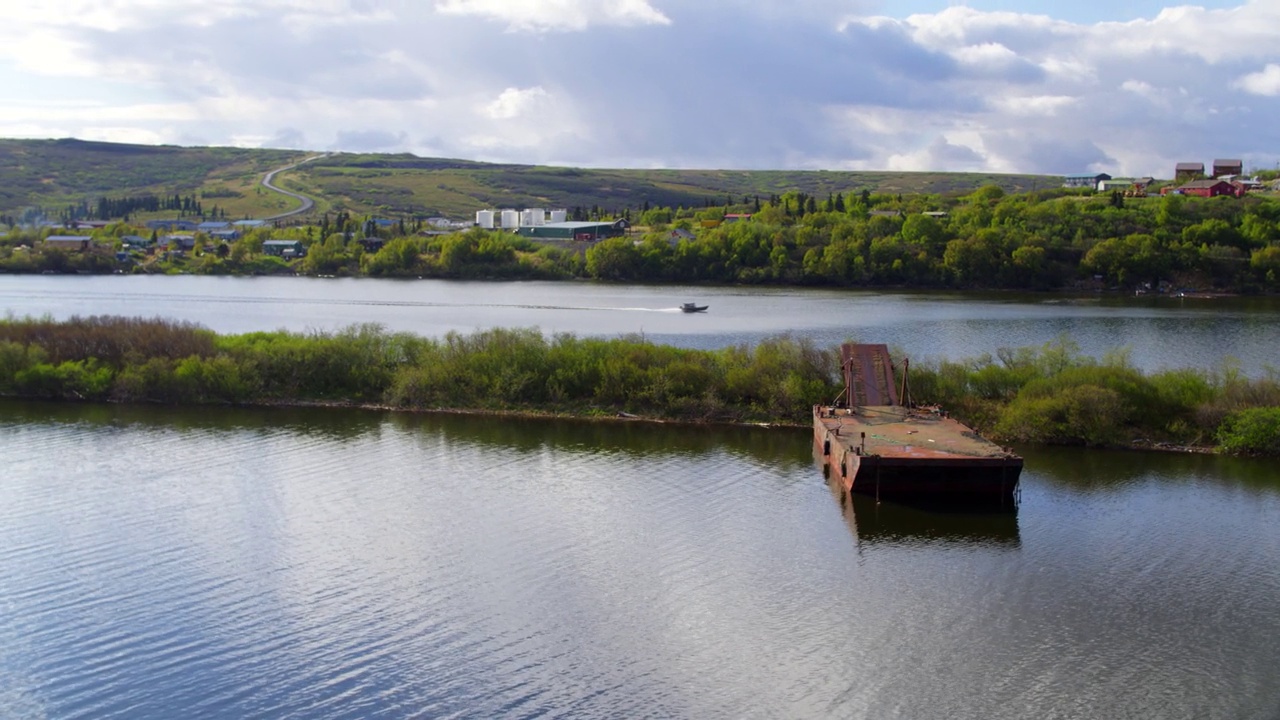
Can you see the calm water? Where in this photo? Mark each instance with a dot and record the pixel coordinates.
(157, 563)
(1159, 332)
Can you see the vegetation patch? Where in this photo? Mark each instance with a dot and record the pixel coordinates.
(1044, 395)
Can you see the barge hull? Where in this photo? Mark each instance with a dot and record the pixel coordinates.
(896, 454)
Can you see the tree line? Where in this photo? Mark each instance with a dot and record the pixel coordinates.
(1043, 240)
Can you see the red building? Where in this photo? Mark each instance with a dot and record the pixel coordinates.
(1210, 188)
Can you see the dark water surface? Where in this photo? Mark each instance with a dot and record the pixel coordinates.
(159, 563)
(1160, 332)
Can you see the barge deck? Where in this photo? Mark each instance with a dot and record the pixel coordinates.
(876, 446)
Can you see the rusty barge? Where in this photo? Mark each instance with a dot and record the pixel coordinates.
(876, 443)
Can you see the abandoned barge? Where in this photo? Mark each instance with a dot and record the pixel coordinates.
(877, 443)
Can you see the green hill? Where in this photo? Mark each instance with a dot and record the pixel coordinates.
(55, 172)
(52, 173)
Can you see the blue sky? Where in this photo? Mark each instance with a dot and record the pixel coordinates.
(1128, 88)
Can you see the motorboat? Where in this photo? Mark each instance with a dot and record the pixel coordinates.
(693, 307)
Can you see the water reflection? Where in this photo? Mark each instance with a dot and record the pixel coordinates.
(888, 522)
(771, 446)
(1094, 471)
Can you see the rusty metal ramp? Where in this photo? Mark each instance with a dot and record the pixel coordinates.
(868, 375)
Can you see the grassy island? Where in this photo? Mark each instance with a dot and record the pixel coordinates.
(1051, 394)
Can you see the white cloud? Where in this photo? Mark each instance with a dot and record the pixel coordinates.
(514, 102)
(1033, 105)
(677, 83)
(542, 15)
(1265, 82)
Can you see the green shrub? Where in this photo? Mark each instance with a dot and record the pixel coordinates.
(1255, 431)
(1080, 414)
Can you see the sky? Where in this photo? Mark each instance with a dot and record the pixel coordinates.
(1006, 86)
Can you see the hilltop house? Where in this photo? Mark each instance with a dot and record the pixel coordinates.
(1186, 171)
(1227, 167)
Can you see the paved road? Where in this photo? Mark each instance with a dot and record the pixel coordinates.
(307, 203)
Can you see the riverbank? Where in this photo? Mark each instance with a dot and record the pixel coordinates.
(1051, 394)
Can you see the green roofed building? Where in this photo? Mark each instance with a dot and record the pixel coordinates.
(283, 248)
(588, 231)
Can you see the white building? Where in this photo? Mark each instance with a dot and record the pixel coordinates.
(484, 218)
(510, 219)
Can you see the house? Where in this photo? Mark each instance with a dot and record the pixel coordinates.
(735, 217)
(1185, 171)
(935, 214)
(1105, 186)
(89, 224)
(1084, 181)
(136, 242)
(248, 224)
(1208, 189)
(1227, 167)
(284, 248)
(180, 241)
(171, 225)
(68, 242)
(588, 231)
(228, 235)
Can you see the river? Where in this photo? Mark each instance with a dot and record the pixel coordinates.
(1158, 332)
(159, 562)
(237, 563)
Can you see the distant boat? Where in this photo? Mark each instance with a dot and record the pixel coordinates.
(692, 307)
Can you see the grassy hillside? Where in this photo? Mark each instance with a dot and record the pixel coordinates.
(404, 184)
(55, 173)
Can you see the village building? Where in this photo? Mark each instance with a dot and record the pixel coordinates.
(211, 226)
(283, 248)
(1231, 168)
(1206, 188)
(172, 225)
(68, 242)
(179, 241)
(584, 231)
(1186, 171)
(1084, 181)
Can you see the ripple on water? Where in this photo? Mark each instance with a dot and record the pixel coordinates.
(442, 569)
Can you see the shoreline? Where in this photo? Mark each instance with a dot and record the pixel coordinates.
(614, 417)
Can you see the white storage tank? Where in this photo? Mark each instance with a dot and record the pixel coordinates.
(510, 219)
(559, 216)
(532, 217)
(484, 218)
